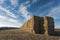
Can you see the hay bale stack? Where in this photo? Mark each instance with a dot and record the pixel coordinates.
(39, 25)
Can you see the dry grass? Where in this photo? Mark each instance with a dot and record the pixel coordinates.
(21, 35)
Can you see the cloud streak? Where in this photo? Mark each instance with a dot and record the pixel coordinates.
(23, 10)
(55, 12)
(7, 12)
(14, 2)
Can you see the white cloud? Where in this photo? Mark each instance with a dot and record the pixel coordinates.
(6, 21)
(14, 2)
(55, 12)
(27, 3)
(2, 1)
(7, 12)
(2, 17)
(9, 25)
(23, 10)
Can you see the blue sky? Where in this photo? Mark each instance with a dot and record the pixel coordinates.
(14, 13)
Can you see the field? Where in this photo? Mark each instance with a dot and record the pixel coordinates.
(16, 34)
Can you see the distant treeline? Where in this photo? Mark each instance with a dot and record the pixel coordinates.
(6, 28)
